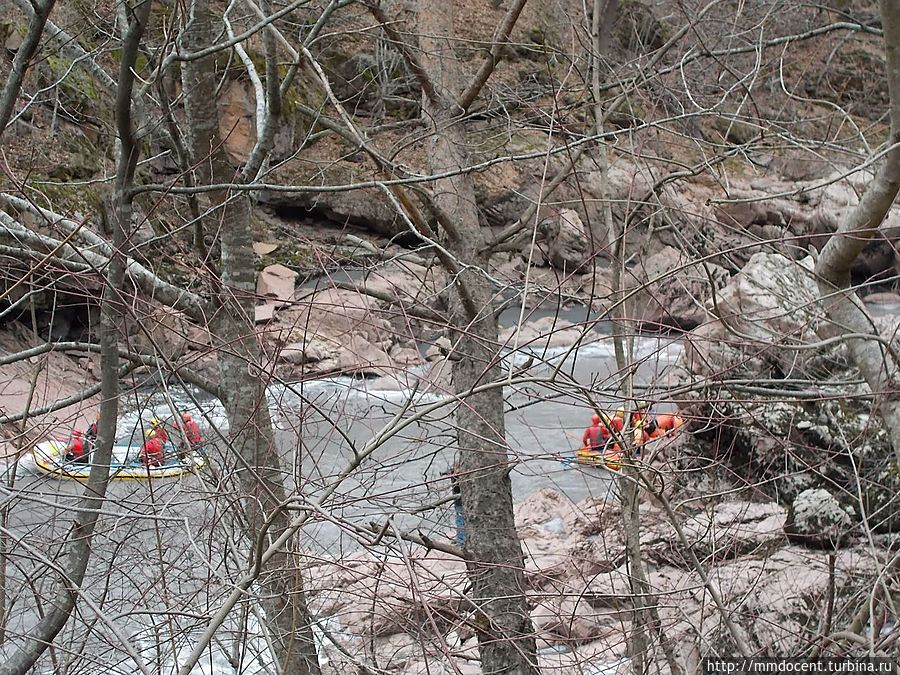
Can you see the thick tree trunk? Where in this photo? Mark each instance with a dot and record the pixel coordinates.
(281, 596)
(877, 363)
(502, 619)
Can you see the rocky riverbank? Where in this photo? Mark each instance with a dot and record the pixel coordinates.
(783, 505)
(735, 556)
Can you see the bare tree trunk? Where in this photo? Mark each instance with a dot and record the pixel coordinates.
(282, 596)
(878, 364)
(36, 22)
(502, 620)
(75, 562)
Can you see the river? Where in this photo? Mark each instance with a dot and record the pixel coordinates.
(162, 554)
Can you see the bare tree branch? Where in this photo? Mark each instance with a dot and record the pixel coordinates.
(39, 637)
(412, 61)
(174, 296)
(493, 58)
(38, 17)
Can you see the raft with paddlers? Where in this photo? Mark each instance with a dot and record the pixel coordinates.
(50, 457)
(152, 457)
(600, 447)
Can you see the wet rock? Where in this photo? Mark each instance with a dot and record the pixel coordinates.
(816, 519)
(340, 330)
(314, 351)
(884, 301)
(438, 376)
(358, 355)
(439, 349)
(566, 244)
(770, 300)
(548, 331)
(675, 291)
(406, 356)
(571, 620)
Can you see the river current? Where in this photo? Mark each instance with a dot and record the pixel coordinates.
(161, 561)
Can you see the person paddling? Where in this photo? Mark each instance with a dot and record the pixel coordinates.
(156, 425)
(152, 451)
(649, 425)
(76, 450)
(191, 433)
(594, 436)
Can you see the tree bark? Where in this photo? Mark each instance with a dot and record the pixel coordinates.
(39, 14)
(878, 364)
(281, 596)
(502, 619)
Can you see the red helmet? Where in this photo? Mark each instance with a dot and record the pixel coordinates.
(186, 417)
(76, 432)
(596, 419)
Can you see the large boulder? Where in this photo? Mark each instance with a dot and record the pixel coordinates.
(774, 224)
(783, 446)
(337, 331)
(541, 524)
(772, 300)
(565, 240)
(675, 291)
(370, 596)
(818, 520)
(275, 283)
(571, 620)
(777, 599)
(547, 331)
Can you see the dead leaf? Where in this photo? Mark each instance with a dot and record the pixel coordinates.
(264, 247)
